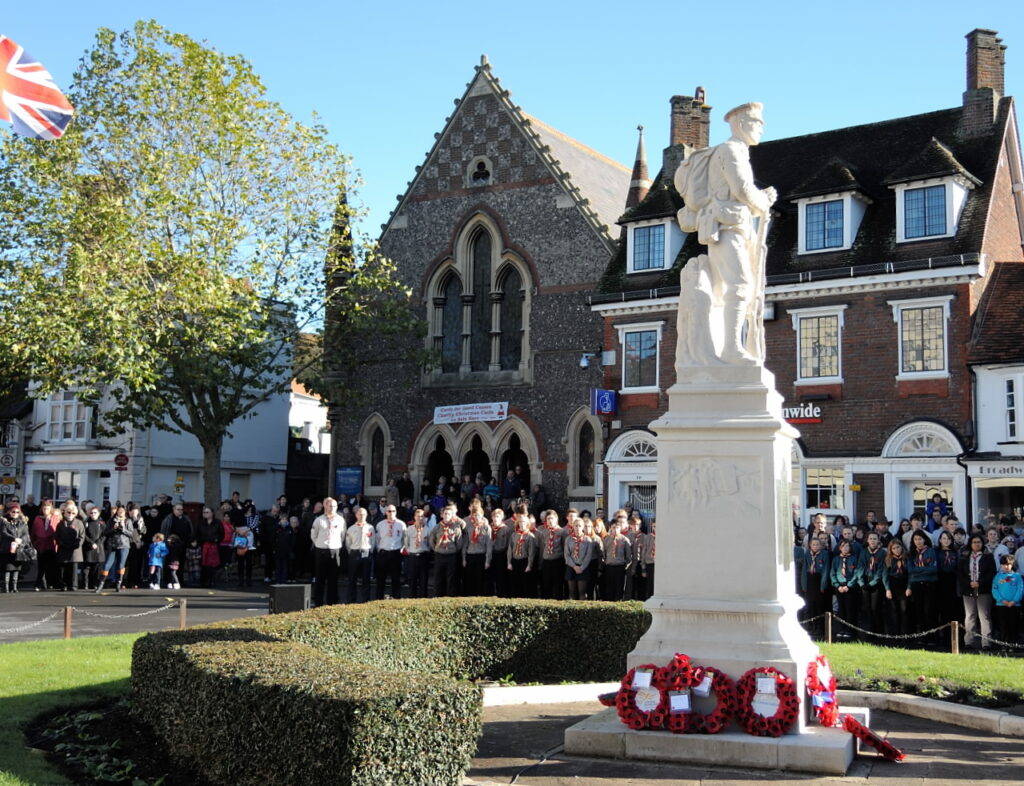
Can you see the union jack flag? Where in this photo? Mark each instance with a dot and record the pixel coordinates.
(28, 96)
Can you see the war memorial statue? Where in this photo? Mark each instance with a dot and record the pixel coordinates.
(722, 293)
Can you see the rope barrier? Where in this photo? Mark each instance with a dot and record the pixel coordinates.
(904, 636)
(31, 625)
(170, 605)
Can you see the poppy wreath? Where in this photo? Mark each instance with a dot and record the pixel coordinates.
(625, 701)
(862, 732)
(713, 722)
(823, 695)
(760, 725)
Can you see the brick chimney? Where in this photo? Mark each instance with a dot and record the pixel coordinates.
(689, 129)
(986, 58)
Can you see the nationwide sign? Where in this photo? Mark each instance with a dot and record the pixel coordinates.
(805, 413)
(471, 413)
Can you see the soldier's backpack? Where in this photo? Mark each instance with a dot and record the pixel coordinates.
(691, 181)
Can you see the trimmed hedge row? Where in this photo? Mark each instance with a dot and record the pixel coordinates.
(363, 694)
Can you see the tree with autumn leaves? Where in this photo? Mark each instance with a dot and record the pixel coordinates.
(170, 249)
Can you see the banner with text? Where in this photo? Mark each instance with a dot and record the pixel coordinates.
(468, 413)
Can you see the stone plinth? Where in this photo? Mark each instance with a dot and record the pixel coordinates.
(818, 749)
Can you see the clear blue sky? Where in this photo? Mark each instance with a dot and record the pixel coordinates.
(383, 75)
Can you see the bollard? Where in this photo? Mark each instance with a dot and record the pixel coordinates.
(828, 627)
(182, 614)
(954, 637)
(68, 614)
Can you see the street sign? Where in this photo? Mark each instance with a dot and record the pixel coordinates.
(6, 488)
(7, 460)
(8, 481)
(121, 460)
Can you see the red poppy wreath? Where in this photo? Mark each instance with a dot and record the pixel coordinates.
(862, 732)
(702, 680)
(760, 725)
(821, 687)
(642, 702)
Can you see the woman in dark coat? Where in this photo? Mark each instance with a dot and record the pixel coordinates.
(93, 553)
(70, 535)
(16, 548)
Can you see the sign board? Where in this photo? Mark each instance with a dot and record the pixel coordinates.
(348, 480)
(8, 481)
(470, 413)
(121, 460)
(7, 460)
(602, 402)
(808, 412)
(6, 488)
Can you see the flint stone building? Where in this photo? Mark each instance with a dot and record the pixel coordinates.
(502, 234)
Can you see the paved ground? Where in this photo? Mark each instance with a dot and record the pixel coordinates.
(516, 738)
(24, 608)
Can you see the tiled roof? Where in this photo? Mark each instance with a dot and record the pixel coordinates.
(601, 180)
(934, 160)
(999, 329)
(835, 177)
(872, 153)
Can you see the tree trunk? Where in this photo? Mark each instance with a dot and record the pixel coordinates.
(212, 492)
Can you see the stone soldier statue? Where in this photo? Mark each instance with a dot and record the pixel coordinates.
(730, 215)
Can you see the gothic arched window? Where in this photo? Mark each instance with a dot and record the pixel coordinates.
(480, 330)
(451, 325)
(510, 350)
(377, 457)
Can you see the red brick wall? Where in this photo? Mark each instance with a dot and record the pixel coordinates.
(872, 403)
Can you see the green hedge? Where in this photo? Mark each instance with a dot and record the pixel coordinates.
(363, 694)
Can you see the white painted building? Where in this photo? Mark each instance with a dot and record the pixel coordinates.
(58, 455)
(307, 418)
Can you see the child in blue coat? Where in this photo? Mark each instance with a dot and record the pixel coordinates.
(157, 554)
(1007, 590)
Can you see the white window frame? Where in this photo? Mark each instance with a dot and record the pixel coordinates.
(638, 327)
(957, 189)
(1013, 413)
(854, 205)
(799, 314)
(673, 237)
(898, 307)
(60, 399)
(843, 486)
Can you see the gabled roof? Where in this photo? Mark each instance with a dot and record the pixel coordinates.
(833, 178)
(999, 325)
(598, 185)
(934, 160)
(872, 153)
(599, 179)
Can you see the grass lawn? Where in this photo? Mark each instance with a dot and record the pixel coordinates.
(991, 672)
(40, 675)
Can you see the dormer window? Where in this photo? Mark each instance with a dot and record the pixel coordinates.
(652, 245)
(824, 225)
(829, 222)
(924, 212)
(930, 208)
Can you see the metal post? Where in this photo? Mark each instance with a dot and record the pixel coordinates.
(68, 614)
(182, 614)
(828, 627)
(954, 637)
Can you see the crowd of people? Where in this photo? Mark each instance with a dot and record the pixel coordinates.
(457, 541)
(906, 579)
(903, 579)
(74, 546)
